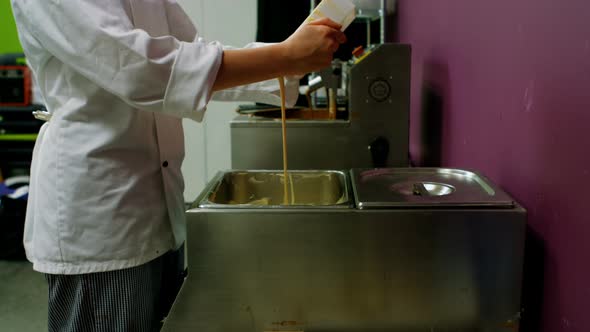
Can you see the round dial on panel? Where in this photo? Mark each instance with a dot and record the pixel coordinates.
(379, 90)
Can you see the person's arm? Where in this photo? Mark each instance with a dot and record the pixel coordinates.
(161, 74)
(310, 48)
(98, 40)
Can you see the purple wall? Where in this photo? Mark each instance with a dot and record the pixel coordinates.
(503, 86)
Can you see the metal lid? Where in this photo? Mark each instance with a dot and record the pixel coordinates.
(425, 187)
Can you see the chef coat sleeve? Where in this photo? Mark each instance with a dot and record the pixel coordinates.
(267, 92)
(98, 40)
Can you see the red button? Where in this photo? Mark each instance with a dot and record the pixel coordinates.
(357, 52)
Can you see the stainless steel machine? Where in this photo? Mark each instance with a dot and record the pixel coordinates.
(398, 249)
(367, 125)
(367, 248)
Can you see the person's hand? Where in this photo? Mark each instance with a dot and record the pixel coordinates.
(312, 46)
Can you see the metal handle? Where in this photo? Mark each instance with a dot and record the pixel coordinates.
(42, 115)
(383, 16)
(313, 5)
(420, 190)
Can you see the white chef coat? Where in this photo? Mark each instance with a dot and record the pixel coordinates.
(106, 188)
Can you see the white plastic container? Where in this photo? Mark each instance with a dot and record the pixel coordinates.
(342, 12)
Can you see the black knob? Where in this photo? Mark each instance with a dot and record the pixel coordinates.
(379, 151)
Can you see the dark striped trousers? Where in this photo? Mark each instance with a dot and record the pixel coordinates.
(134, 299)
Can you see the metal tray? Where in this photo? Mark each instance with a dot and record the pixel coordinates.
(425, 187)
(264, 189)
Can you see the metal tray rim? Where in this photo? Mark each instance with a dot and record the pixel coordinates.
(205, 203)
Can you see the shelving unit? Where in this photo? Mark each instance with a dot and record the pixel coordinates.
(18, 132)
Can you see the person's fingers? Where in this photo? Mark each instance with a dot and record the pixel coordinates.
(333, 46)
(336, 35)
(326, 62)
(340, 37)
(327, 22)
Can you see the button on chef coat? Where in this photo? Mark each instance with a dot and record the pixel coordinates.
(118, 76)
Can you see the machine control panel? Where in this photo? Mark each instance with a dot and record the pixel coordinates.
(379, 90)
